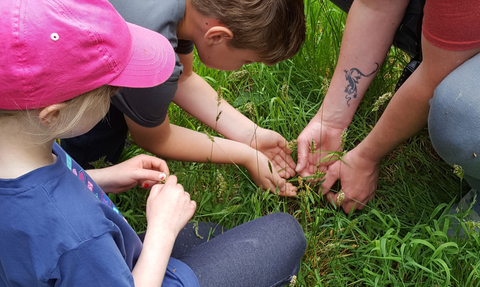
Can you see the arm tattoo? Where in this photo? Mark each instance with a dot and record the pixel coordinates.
(352, 77)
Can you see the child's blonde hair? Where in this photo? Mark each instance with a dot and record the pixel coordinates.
(98, 99)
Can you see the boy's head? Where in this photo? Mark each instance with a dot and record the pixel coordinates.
(54, 50)
(268, 31)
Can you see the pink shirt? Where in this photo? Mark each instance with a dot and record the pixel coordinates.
(452, 24)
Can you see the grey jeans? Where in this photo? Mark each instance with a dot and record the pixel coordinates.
(454, 119)
(264, 252)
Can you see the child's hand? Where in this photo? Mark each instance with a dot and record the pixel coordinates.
(265, 175)
(169, 207)
(274, 146)
(141, 170)
(168, 210)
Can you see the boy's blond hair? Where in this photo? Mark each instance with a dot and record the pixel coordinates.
(98, 98)
(275, 29)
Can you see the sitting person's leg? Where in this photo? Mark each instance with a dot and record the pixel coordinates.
(263, 252)
(192, 235)
(454, 122)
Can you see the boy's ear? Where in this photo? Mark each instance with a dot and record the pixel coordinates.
(49, 115)
(217, 35)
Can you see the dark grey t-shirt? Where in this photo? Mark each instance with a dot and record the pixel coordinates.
(148, 107)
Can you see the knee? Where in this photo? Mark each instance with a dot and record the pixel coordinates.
(442, 117)
(291, 232)
(454, 119)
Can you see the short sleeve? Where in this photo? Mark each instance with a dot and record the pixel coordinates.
(184, 47)
(452, 24)
(147, 107)
(96, 262)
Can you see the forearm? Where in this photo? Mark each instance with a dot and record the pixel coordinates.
(188, 145)
(198, 98)
(102, 177)
(407, 112)
(152, 263)
(368, 35)
(405, 115)
(98, 175)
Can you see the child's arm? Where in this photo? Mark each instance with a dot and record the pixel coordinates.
(174, 142)
(168, 210)
(141, 170)
(198, 98)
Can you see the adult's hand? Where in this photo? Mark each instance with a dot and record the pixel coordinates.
(358, 176)
(317, 156)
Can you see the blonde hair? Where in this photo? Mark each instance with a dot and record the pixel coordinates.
(275, 29)
(98, 99)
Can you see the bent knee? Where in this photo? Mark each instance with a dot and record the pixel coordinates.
(454, 120)
(290, 229)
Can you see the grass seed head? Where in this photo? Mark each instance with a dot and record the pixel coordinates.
(285, 90)
(381, 101)
(238, 75)
(292, 144)
(222, 185)
(219, 96)
(293, 281)
(458, 171)
(249, 109)
(312, 146)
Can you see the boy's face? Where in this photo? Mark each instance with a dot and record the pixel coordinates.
(222, 57)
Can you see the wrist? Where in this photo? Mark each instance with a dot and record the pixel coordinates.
(155, 231)
(368, 152)
(248, 158)
(334, 118)
(248, 135)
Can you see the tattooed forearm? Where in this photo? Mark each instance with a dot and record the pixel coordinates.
(352, 77)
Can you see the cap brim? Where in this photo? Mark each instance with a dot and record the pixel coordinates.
(152, 61)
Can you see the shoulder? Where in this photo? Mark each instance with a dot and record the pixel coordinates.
(93, 262)
(38, 229)
(162, 16)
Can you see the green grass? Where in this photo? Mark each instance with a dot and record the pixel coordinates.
(399, 239)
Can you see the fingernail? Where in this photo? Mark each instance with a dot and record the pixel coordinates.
(145, 185)
(162, 176)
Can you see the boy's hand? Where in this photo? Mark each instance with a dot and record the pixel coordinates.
(141, 170)
(274, 146)
(265, 175)
(169, 207)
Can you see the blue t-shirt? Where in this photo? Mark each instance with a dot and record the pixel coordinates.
(58, 228)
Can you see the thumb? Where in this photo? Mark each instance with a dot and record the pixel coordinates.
(302, 151)
(331, 177)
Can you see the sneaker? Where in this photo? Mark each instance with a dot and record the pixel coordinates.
(468, 204)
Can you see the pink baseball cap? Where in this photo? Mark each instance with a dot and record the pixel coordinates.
(55, 50)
